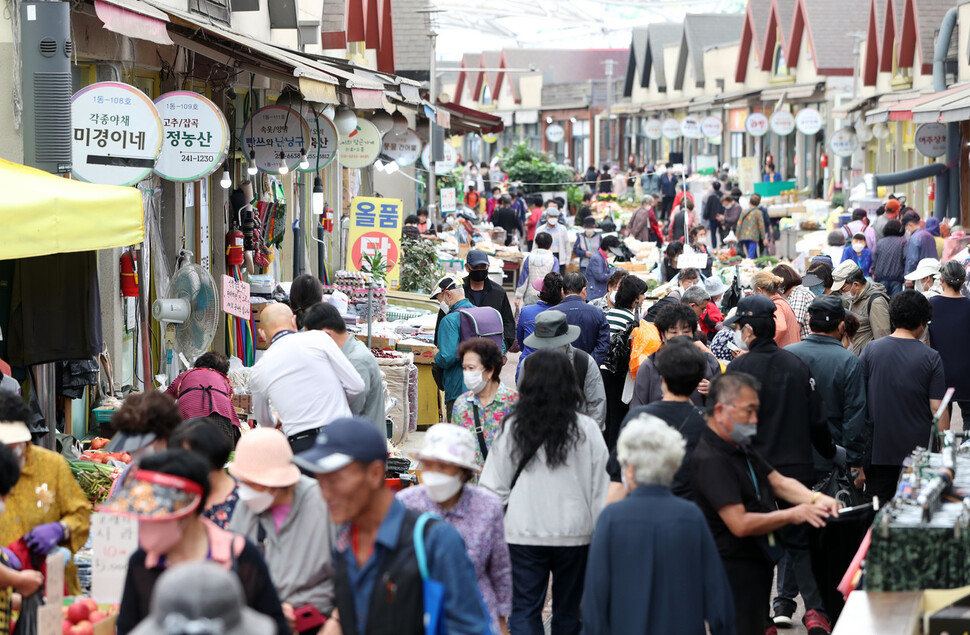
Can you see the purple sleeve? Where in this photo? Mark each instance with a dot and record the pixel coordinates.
(500, 565)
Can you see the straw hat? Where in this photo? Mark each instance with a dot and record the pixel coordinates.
(264, 457)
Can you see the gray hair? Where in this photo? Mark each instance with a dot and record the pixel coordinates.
(654, 449)
(648, 200)
(696, 295)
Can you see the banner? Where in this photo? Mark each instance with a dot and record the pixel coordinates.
(375, 227)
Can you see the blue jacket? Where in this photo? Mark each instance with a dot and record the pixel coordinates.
(594, 337)
(668, 184)
(653, 568)
(864, 259)
(586, 243)
(921, 245)
(597, 273)
(448, 337)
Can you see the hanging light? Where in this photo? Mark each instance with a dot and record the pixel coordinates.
(251, 169)
(328, 111)
(345, 120)
(283, 168)
(304, 162)
(316, 199)
(400, 122)
(226, 181)
(383, 120)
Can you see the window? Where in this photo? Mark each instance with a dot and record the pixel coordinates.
(779, 66)
(486, 95)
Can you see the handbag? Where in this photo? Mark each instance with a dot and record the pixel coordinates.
(480, 432)
(433, 592)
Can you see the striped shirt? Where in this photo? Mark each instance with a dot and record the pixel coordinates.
(619, 319)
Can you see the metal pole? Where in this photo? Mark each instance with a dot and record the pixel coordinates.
(609, 108)
(433, 90)
(370, 311)
(297, 233)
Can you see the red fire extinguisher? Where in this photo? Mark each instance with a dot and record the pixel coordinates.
(327, 219)
(931, 192)
(234, 247)
(823, 160)
(129, 277)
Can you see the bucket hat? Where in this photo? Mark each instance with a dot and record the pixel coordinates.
(925, 267)
(263, 456)
(450, 444)
(552, 331)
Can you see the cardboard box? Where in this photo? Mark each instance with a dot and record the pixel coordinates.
(417, 349)
(425, 357)
(381, 343)
(257, 307)
(243, 403)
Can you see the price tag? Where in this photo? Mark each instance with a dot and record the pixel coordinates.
(114, 539)
(54, 591)
(235, 297)
(49, 617)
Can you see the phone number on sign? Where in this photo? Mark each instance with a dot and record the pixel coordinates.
(198, 158)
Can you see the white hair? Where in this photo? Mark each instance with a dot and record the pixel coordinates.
(653, 448)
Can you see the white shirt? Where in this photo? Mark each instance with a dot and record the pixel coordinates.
(560, 241)
(297, 376)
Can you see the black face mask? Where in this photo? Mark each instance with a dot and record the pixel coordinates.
(478, 275)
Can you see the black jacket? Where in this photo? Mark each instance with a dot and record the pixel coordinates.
(493, 295)
(508, 219)
(791, 419)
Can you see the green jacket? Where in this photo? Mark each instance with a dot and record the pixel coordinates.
(449, 337)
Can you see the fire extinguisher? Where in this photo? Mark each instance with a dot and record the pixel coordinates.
(327, 219)
(129, 277)
(931, 192)
(823, 160)
(234, 247)
(769, 160)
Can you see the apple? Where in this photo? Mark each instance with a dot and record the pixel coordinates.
(78, 612)
(91, 604)
(66, 627)
(96, 616)
(64, 612)
(83, 627)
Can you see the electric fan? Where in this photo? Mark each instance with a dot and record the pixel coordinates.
(190, 312)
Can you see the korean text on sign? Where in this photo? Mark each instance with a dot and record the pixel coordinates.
(375, 227)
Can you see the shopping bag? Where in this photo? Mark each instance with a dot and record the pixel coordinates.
(27, 622)
(644, 342)
(433, 591)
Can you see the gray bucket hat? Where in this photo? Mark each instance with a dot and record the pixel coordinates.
(552, 331)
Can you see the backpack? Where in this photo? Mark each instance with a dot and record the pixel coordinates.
(482, 321)
(618, 355)
(581, 368)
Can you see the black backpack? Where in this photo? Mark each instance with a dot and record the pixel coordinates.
(618, 355)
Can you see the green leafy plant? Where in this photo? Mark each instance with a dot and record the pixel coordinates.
(376, 265)
(420, 269)
(534, 169)
(574, 196)
(838, 200)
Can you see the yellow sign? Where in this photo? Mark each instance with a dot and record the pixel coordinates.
(375, 228)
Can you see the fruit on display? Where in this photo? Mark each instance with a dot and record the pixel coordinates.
(81, 616)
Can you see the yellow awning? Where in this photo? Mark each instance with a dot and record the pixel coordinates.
(43, 214)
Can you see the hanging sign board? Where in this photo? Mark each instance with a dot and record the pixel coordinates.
(782, 123)
(930, 139)
(196, 136)
(324, 141)
(276, 134)
(447, 163)
(690, 127)
(653, 128)
(404, 148)
(808, 121)
(361, 147)
(449, 200)
(756, 124)
(671, 129)
(235, 297)
(117, 134)
(114, 539)
(375, 227)
(844, 142)
(712, 127)
(555, 133)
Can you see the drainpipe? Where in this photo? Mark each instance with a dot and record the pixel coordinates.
(948, 199)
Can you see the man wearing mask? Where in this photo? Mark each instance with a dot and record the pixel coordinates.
(447, 336)
(587, 243)
(560, 236)
(922, 244)
(736, 489)
(925, 278)
(866, 299)
(594, 335)
(481, 291)
(668, 191)
(508, 219)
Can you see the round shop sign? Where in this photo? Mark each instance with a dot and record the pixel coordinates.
(808, 121)
(276, 134)
(671, 129)
(117, 134)
(196, 136)
(373, 243)
(324, 141)
(653, 128)
(844, 142)
(446, 164)
(555, 133)
(362, 146)
(490, 138)
(931, 139)
(756, 124)
(782, 123)
(712, 127)
(690, 127)
(404, 148)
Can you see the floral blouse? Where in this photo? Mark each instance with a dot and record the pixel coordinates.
(221, 513)
(491, 415)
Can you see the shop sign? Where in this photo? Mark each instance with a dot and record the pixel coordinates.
(404, 148)
(447, 163)
(235, 297)
(671, 129)
(324, 141)
(712, 127)
(448, 199)
(736, 119)
(117, 134)
(555, 133)
(196, 136)
(844, 142)
(690, 127)
(756, 124)
(808, 121)
(930, 139)
(490, 138)
(375, 227)
(362, 146)
(276, 135)
(653, 128)
(782, 123)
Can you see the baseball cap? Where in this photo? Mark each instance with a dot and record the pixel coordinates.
(752, 306)
(589, 221)
(476, 257)
(892, 206)
(552, 211)
(552, 330)
(925, 267)
(342, 442)
(845, 269)
(447, 283)
(828, 308)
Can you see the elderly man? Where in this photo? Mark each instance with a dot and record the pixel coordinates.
(652, 554)
(866, 299)
(447, 337)
(560, 236)
(594, 335)
(643, 224)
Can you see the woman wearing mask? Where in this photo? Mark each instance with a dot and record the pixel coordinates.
(599, 269)
(488, 400)
(202, 436)
(448, 466)
(612, 284)
(165, 495)
(548, 465)
(560, 236)
(280, 510)
(948, 333)
(668, 265)
(787, 329)
(587, 243)
(624, 314)
(798, 295)
(628, 302)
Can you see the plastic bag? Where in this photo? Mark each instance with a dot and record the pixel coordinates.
(27, 622)
(644, 342)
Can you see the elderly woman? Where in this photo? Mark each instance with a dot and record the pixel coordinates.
(787, 329)
(652, 553)
(447, 467)
(205, 391)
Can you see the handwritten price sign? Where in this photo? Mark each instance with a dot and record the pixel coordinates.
(114, 540)
(235, 297)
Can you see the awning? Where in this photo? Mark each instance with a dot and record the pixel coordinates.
(793, 92)
(845, 109)
(947, 106)
(464, 120)
(701, 105)
(731, 100)
(880, 113)
(44, 214)
(141, 22)
(526, 116)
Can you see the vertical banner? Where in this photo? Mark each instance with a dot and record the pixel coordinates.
(748, 174)
(375, 227)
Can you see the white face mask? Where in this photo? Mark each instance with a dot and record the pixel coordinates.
(739, 341)
(444, 307)
(848, 296)
(856, 247)
(255, 500)
(612, 297)
(552, 220)
(440, 487)
(475, 380)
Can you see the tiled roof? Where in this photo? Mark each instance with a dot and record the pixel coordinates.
(703, 31)
(634, 64)
(759, 10)
(929, 15)
(659, 36)
(831, 45)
